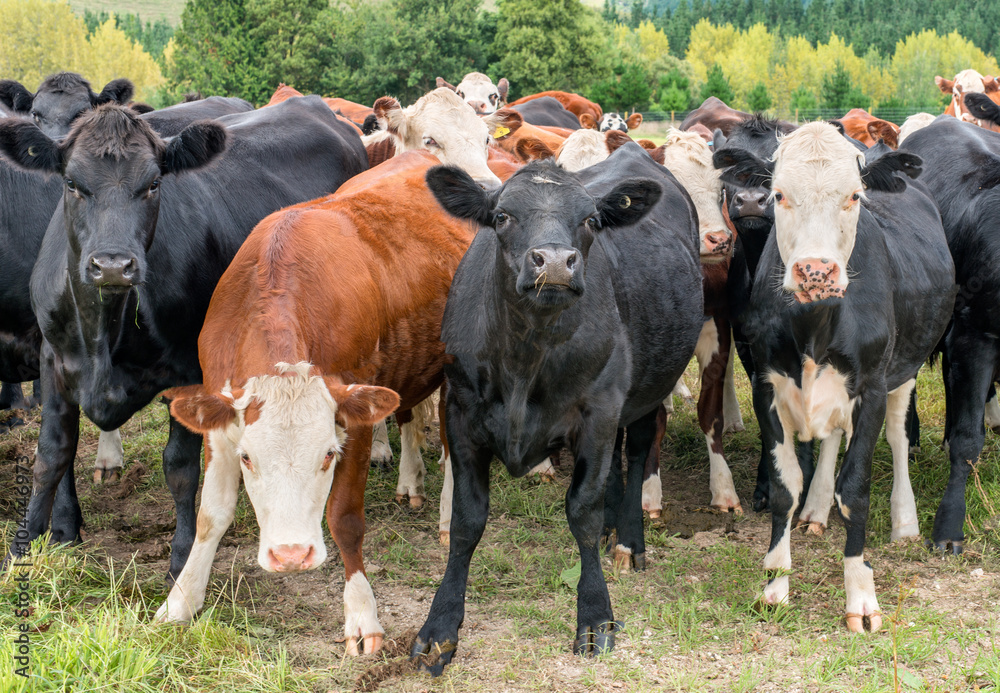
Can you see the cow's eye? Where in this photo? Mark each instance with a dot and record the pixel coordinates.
(70, 185)
(778, 197)
(35, 117)
(430, 142)
(494, 97)
(855, 197)
(592, 223)
(460, 95)
(500, 220)
(154, 186)
(245, 459)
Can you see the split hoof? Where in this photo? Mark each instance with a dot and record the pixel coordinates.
(416, 502)
(370, 644)
(814, 528)
(591, 642)
(945, 545)
(107, 476)
(734, 508)
(626, 561)
(655, 514)
(444, 538)
(861, 623)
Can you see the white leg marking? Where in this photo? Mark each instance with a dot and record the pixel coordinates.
(652, 495)
(992, 416)
(819, 500)
(411, 462)
(447, 491)
(681, 390)
(707, 346)
(381, 452)
(544, 469)
(110, 454)
(780, 557)
(904, 507)
(859, 582)
(720, 481)
(731, 414)
(218, 502)
(360, 616)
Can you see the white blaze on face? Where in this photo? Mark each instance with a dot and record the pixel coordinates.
(966, 81)
(478, 90)
(689, 158)
(288, 441)
(917, 121)
(582, 149)
(612, 121)
(817, 191)
(443, 124)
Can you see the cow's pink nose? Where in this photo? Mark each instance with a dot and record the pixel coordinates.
(717, 242)
(817, 279)
(479, 106)
(291, 558)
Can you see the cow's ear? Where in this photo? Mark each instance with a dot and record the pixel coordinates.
(587, 121)
(718, 140)
(361, 405)
(14, 96)
(837, 124)
(945, 85)
(140, 108)
(441, 83)
(197, 145)
(743, 168)
(388, 111)
(878, 175)
(116, 91)
(885, 131)
(982, 107)
(532, 149)
(503, 86)
(198, 410)
(24, 144)
(460, 196)
(370, 125)
(990, 84)
(634, 121)
(503, 122)
(629, 202)
(616, 139)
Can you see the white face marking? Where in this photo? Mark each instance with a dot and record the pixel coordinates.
(479, 92)
(689, 158)
(917, 121)
(288, 458)
(966, 81)
(817, 190)
(582, 149)
(612, 121)
(821, 405)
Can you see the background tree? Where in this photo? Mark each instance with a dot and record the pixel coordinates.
(717, 85)
(627, 90)
(758, 100)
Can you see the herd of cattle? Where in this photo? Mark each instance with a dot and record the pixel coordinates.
(292, 275)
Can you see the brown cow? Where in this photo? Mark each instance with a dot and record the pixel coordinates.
(574, 103)
(541, 143)
(868, 130)
(346, 289)
(348, 111)
(714, 114)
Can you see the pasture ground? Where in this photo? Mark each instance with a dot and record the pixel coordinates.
(691, 623)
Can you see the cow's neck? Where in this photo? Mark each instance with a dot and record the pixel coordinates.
(753, 241)
(103, 316)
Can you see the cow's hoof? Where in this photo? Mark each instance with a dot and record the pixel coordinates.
(655, 514)
(626, 561)
(591, 641)
(761, 502)
(431, 655)
(906, 534)
(370, 644)
(815, 528)
(860, 623)
(737, 427)
(735, 508)
(444, 538)
(416, 502)
(107, 476)
(945, 545)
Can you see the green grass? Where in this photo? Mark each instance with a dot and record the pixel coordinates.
(691, 619)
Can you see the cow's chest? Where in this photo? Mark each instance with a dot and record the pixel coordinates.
(818, 404)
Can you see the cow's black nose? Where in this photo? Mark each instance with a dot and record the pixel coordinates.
(554, 266)
(750, 203)
(113, 270)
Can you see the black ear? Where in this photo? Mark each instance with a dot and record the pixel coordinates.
(718, 140)
(14, 96)
(370, 125)
(460, 196)
(27, 146)
(140, 108)
(743, 168)
(879, 174)
(629, 202)
(837, 124)
(117, 91)
(982, 107)
(197, 145)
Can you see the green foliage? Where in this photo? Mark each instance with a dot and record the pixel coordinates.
(674, 93)
(717, 85)
(758, 100)
(627, 90)
(152, 36)
(840, 93)
(803, 100)
(551, 44)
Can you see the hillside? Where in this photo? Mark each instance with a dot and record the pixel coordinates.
(148, 10)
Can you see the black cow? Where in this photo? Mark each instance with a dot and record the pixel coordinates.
(168, 122)
(60, 100)
(962, 172)
(571, 316)
(547, 111)
(123, 279)
(850, 298)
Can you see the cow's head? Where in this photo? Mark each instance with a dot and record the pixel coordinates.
(287, 432)
(966, 82)
(689, 158)
(448, 128)
(818, 180)
(917, 121)
(478, 90)
(581, 149)
(60, 99)
(112, 164)
(615, 121)
(545, 222)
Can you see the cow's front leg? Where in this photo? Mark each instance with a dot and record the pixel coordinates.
(595, 624)
(345, 515)
(819, 500)
(218, 503)
(852, 495)
(437, 640)
(181, 469)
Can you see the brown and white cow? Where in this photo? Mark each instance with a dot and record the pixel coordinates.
(611, 121)
(326, 305)
(859, 124)
(478, 90)
(967, 82)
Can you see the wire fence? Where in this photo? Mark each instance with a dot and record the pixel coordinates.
(893, 115)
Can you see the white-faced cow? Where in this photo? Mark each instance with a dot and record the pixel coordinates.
(478, 90)
(572, 314)
(123, 279)
(967, 82)
(854, 290)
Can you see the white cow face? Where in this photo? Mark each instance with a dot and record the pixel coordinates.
(689, 158)
(966, 82)
(582, 149)
(817, 190)
(478, 91)
(446, 126)
(287, 432)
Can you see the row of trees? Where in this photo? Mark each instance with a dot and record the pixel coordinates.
(630, 57)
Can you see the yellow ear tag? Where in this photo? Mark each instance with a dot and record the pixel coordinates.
(501, 131)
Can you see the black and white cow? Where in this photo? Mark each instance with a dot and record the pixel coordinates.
(853, 291)
(143, 231)
(60, 100)
(615, 121)
(571, 316)
(548, 112)
(962, 172)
